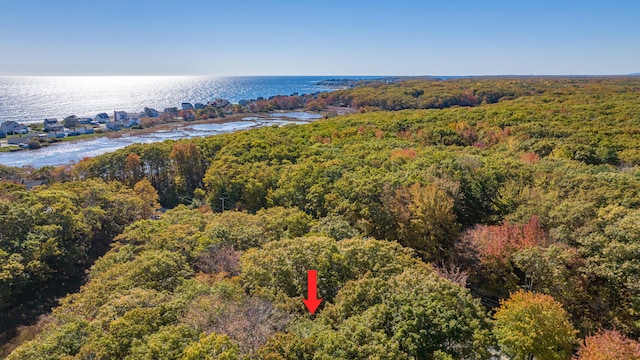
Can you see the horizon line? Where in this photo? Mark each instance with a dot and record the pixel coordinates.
(320, 75)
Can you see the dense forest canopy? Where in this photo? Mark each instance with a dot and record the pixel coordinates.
(448, 220)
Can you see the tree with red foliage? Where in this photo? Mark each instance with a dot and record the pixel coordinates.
(494, 244)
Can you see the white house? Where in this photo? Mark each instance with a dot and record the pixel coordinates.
(102, 118)
(85, 130)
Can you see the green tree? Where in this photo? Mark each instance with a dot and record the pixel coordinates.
(54, 344)
(168, 343)
(336, 227)
(212, 347)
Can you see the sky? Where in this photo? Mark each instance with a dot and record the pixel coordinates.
(322, 37)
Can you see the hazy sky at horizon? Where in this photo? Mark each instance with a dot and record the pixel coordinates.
(329, 37)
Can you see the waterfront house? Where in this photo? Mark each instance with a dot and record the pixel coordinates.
(187, 106)
(84, 121)
(219, 103)
(133, 119)
(114, 126)
(12, 127)
(58, 134)
(52, 125)
(171, 111)
(132, 123)
(199, 106)
(18, 141)
(84, 130)
(120, 116)
(151, 112)
(102, 118)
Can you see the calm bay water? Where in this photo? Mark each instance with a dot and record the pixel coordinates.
(71, 152)
(31, 99)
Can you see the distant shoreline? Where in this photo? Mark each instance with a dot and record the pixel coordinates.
(31, 99)
(133, 132)
(74, 150)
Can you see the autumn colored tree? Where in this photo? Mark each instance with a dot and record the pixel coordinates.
(148, 194)
(496, 243)
(222, 274)
(190, 166)
(133, 168)
(425, 219)
(534, 326)
(609, 345)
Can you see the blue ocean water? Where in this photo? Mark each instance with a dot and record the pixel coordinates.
(31, 99)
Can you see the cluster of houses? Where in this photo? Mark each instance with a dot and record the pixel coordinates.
(55, 129)
(52, 128)
(217, 103)
(121, 120)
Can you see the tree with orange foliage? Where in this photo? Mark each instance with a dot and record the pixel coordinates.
(609, 345)
(133, 169)
(190, 166)
(148, 195)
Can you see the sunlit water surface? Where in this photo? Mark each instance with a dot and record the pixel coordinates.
(32, 99)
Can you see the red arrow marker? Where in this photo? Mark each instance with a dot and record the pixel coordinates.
(312, 302)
